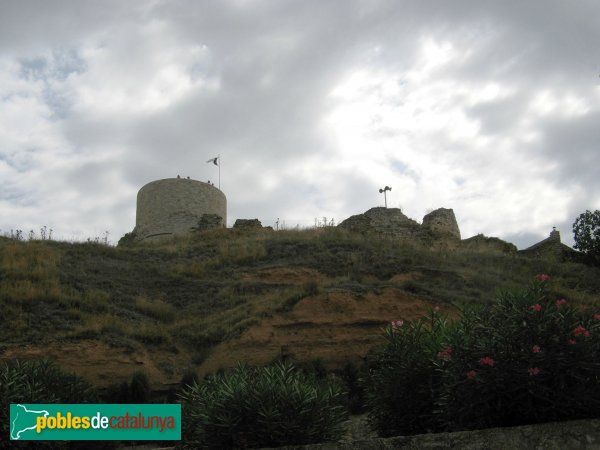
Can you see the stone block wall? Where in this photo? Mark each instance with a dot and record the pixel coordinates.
(393, 223)
(575, 435)
(246, 224)
(384, 221)
(175, 206)
(442, 221)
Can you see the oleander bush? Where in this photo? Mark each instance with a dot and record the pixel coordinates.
(261, 407)
(527, 358)
(39, 381)
(402, 383)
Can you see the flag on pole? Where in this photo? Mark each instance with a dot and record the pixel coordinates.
(217, 162)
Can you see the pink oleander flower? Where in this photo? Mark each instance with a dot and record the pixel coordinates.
(471, 374)
(537, 307)
(536, 349)
(445, 354)
(597, 316)
(560, 302)
(533, 371)
(487, 361)
(572, 341)
(580, 330)
(542, 277)
(397, 324)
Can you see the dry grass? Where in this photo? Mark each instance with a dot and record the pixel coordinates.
(30, 272)
(33, 261)
(193, 268)
(97, 324)
(241, 251)
(155, 308)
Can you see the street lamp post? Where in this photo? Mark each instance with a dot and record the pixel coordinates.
(383, 191)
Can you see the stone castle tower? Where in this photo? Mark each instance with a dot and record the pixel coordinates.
(176, 206)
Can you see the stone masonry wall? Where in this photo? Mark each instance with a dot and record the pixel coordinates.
(174, 206)
(393, 223)
(575, 435)
(442, 221)
(384, 221)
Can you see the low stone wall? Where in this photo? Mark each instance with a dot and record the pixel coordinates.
(575, 435)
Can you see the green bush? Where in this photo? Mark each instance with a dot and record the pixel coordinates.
(138, 390)
(401, 387)
(261, 407)
(38, 382)
(527, 358)
(351, 377)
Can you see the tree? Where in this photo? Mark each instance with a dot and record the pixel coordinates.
(586, 230)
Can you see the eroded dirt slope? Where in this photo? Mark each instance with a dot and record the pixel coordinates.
(335, 325)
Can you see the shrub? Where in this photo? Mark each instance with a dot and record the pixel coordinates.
(261, 407)
(528, 358)
(127, 239)
(351, 376)
(139, 388)
(402, 377)
(189, 378)
(38, 382)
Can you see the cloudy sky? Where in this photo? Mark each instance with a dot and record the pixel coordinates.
(491, 108)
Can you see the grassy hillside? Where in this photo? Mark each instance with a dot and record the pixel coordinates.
(187, 304)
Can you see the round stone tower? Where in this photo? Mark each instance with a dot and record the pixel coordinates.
(176, 206)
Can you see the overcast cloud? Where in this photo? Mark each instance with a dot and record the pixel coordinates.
(489, 108)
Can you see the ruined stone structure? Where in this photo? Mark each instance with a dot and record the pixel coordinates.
(248, 224)
(481, 243)
(393, 223)
(177, 206)
(208, 222)
(442, 222)
(387, 221)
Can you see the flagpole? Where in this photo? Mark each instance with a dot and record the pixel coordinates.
(219, 158)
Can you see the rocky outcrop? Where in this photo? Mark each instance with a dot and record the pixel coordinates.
(442, 222)
(384, 221)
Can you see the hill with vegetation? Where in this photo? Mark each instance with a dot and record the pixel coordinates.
(207, 301)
